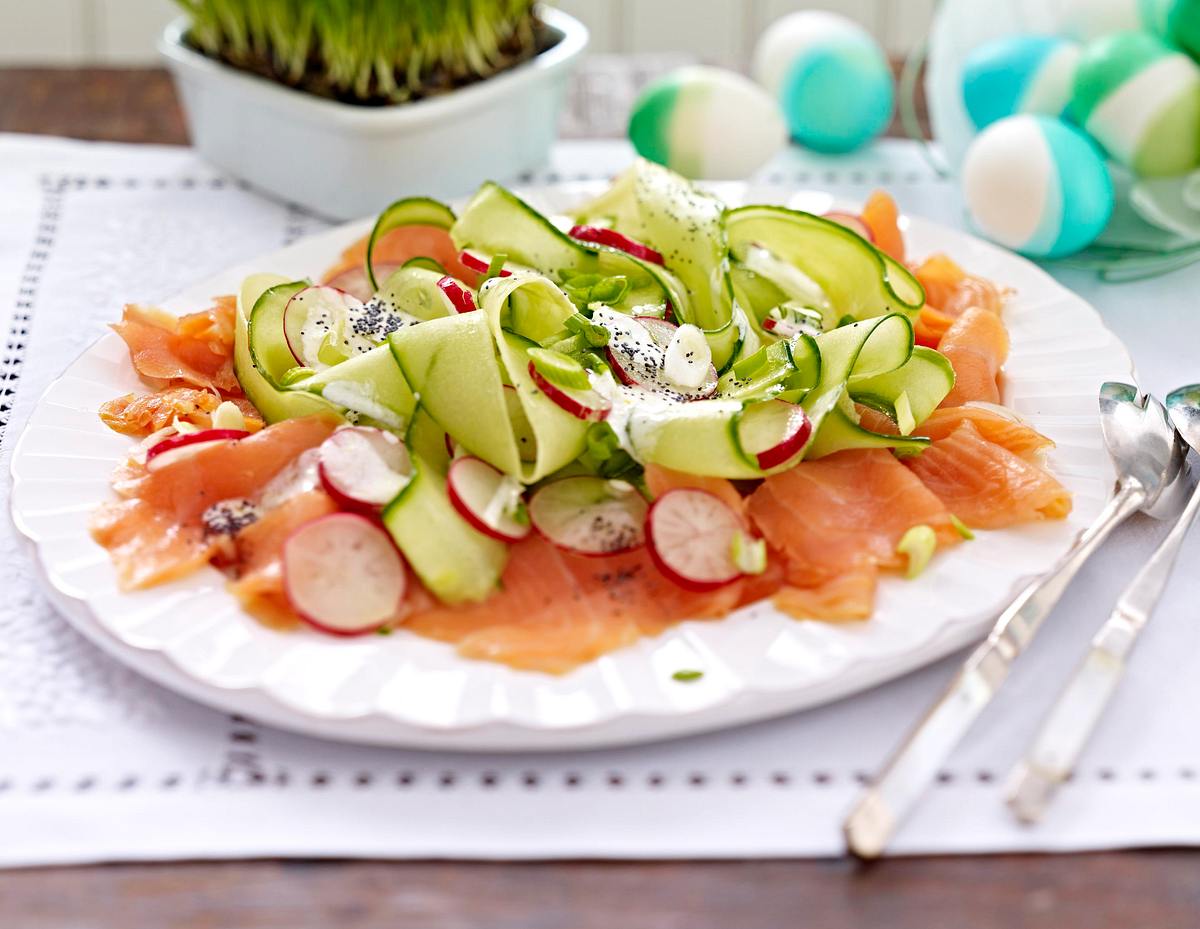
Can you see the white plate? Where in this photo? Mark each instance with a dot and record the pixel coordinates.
(407, 691)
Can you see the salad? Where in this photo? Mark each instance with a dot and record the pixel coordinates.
(541, 438)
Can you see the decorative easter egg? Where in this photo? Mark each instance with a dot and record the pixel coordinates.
(831, 79)
(1021, 74)
(707, 122)
(1140, 99)
(1037, 185)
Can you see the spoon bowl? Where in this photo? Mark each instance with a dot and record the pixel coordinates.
(1183, 406)
(1144, 446)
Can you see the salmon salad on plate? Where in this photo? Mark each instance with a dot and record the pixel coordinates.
(540, 438)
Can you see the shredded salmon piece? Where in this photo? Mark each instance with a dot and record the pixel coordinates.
(140, 415)
(882, 217)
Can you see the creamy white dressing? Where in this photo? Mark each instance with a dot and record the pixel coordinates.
(361, 399)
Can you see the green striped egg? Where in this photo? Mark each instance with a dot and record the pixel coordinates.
(707, 123)
(1140, 99)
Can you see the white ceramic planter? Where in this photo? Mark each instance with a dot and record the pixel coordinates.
(345, 161)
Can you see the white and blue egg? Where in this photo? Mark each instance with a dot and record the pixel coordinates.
(1037, 185)
(830, 77)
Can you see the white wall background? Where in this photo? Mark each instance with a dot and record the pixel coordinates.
(123, 32)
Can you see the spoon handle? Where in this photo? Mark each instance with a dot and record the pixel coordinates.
(904, 778)
(1073, 717)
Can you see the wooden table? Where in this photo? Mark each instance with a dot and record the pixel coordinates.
(1154, 889)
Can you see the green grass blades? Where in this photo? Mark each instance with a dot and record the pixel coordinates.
(366, 51)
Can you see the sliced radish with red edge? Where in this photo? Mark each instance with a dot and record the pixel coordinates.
(488, 499)
(690, 534)
(853, 223)
(772, 432)
(176, 448)
(364, 468)
(590, 515)
(598, 235)
(582, 404)
(343, 575)
(637, 349)
(311, 314)
(478, 263)
(458, 295)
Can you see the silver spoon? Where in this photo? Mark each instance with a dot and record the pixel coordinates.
(1149, 458)
(1073, 717)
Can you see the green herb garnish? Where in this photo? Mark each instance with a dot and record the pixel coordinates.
(687, 675)
(961, 528)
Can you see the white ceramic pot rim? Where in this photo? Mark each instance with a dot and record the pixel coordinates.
(385, 119)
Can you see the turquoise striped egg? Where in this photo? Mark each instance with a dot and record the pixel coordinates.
(707, 122)
(831, 79)
(1140, 99)
(1021, 74)
(1037, 185)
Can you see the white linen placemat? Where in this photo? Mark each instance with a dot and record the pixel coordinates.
(97, 764)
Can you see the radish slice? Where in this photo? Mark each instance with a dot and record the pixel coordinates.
(637, 353)
(691, 535)
(355, 282)
(853, 223)
(582, 404)
(176, 448)
(773, 431)
(311, 316)
(342, 574)
(458, 295)
(590, 515)
(478, 263)
(488, 499)
(364, 468)
(613, 239)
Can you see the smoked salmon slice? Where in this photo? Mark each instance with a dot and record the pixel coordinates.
(154, 532)
(882, 217)
(949, 292)
(844, 513)
(555, 611)
(1004, 430)
(986, 485)
(977, 346)
(952, 290)
(194, 350)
